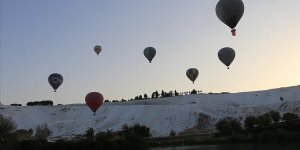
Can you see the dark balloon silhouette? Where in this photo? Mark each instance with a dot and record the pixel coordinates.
(55, 80)
(230, 12)
(97, 49)
(192, 74)
(226, 56)
(149, 53)
(94, 100)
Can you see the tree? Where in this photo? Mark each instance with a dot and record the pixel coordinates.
(145, 96)
(162, 93)
(104, 136)
(275, 115)
(249, 122)
(15, 104)
(157, 95)
(228, 125)
(289, 116)
(223, 127)
(89, 135)
(136, 130)
(140, 97)
(153, 95)
(193, 91)
(176, 93)
(7, 125)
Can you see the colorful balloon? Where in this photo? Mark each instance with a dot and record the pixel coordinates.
(94, 100)
(55, 80)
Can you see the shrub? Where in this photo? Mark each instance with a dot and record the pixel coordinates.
(290, 116)
(172, 133)
(42, 132)
(264, 119)
(136, 130)
(15, 104)
(249, 122)
(89, 135)
(275, 115)
(43, 103)
(228, 126)
(104, 136)
(6, 127)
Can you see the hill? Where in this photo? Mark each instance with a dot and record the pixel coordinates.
(180, 113)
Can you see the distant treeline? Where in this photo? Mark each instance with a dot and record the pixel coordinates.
(40, 103)
(156, 94)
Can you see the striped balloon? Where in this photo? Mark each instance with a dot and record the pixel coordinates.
(149, 53)
(192, 74)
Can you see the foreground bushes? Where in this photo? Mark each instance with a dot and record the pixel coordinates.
(130, 138)
(6, 128)
(263, 128)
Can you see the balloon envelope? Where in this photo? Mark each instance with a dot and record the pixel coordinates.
(226, 56)
(55, 80)
(97, 49)
(149, 53)
(192, 74)
(230, 12)
(94, 100)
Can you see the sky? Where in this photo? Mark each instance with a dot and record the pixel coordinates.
(38, 38)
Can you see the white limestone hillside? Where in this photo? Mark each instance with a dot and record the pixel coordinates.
(161, 115)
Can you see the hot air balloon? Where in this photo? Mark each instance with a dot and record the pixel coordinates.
(94, 100)
(226, 56)
(149, 53)
(55, 80)
(230, 12)
(97, 49)
(192, 74)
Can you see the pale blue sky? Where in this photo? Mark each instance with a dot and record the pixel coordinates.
(38, 38)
